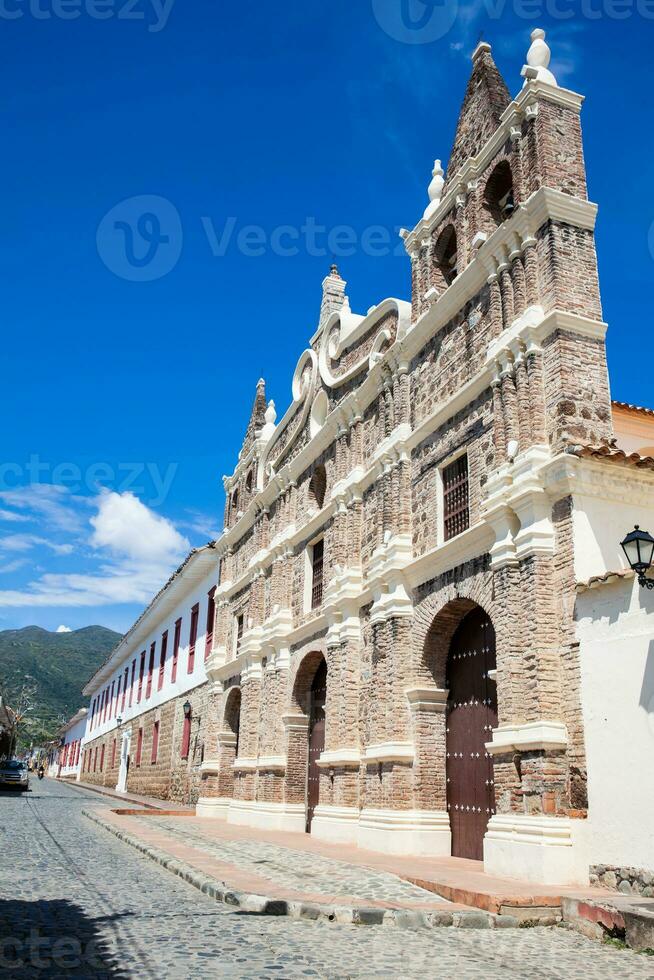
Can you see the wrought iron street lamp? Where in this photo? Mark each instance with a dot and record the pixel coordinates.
(187, 709)
(119, 721)
(638, 546)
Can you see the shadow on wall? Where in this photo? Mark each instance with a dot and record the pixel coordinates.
(54, 939)
(647, 690)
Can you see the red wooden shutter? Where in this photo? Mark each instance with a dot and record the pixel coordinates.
(113, 753)
(131, 686)
(162, 659)
(111, 698)
(195, 612)
(211, 613)
(186, 737)
(148, 689)
(141, 676)
(155, 742)
(456, 516)
(125, 679)
(176, 642)
(102, 758)
(139, 747)
(117, 702)
(317, 563)
(95, 758)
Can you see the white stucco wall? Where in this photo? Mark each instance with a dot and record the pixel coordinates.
(184, 681)
(74, 733)
(600, 524)
(616, 637)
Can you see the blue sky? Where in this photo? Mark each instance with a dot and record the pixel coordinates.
(125, 399)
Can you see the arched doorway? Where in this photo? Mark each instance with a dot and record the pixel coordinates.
(233, 715)
(317, 700)
(470, 720)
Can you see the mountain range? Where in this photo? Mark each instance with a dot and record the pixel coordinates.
(50, 669)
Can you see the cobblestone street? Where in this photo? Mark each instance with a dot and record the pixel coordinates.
(67, 886)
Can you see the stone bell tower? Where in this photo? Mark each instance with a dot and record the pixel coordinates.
(504, 277)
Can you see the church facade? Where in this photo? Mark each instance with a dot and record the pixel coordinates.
(401, 622)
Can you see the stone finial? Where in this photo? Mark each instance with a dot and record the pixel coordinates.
(435, 189)
(271, 413)
(333, 293)
(538, 59)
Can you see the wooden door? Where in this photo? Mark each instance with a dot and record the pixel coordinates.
(316, 739)
(471, 718)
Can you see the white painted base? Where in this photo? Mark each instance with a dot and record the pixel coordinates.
(534, 848)
(212, 806)
(423, 833)
(339, 824)
(268, 816)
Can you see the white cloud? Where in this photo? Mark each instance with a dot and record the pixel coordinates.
(13, 566)
(49, 501)
(11, 515)
(63, 629)
(140, 548)
(128, 528)
(25, 542)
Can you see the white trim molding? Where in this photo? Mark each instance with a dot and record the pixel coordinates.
(534, 848)
(427, 698)
(338, 824)
(340, 759)
(530, 737)
(267, 816)
(389, 752)
(416, 832)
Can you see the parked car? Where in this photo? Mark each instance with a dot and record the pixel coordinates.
(13, 772)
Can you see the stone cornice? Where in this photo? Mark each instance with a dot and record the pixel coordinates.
(529, 737)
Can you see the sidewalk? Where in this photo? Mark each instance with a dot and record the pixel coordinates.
(277, 873)
(149, 802)
(271, 874)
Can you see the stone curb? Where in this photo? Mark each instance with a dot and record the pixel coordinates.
(345, 915)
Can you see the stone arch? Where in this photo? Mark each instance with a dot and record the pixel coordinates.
(499, 197)
(445, 257)
(439, 607)
(232, 713)
(439, 635)
(228, 742)
(298, 728)
(302, 680)
(318, 487)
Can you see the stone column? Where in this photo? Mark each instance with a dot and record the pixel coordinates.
(530, 259)
(506, 288)
(510, 403)
(495, 298)
(499, 434)
(524, 408)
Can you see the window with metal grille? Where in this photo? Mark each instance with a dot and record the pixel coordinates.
(456, 514)
(317, 566)
(139, 747)
(239, 631)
